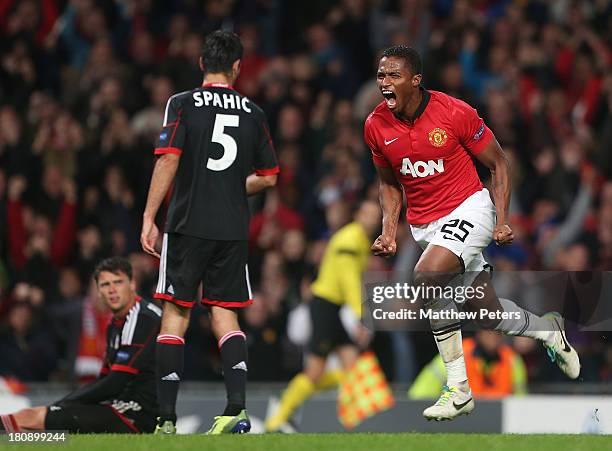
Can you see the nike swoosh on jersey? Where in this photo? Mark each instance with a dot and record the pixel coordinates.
(462, 405)
(389, 142)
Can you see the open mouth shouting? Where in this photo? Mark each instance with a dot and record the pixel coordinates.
(390, 98)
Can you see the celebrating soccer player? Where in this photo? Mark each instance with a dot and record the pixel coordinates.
(122, 399)
(422, 142)
(216, 148)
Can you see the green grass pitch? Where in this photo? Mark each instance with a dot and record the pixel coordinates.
(335, 442)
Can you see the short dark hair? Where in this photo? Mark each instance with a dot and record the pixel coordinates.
(410, 55)
(221, 50)
(114, 265)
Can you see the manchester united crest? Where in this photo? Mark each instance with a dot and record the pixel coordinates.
(437, 137)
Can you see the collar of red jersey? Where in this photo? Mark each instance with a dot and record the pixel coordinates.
(423, 104)
(420, 109)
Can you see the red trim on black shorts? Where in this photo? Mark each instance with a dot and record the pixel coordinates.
(125, 419)
(167, 297)
(124, 368)
(234, 304)
(170, 340)
(164, 150)
(268, 171)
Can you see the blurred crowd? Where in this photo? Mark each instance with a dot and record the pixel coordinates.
(83, 87)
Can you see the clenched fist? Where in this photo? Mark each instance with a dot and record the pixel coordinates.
(384, 246)
(502, 234)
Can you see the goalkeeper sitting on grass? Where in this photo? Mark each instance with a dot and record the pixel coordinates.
(338, 283)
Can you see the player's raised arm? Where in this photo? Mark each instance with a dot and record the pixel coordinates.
(494, 158)
(390, 197)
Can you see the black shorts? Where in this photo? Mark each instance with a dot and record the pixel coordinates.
(97, 418)
(328, 332)
(221, 267)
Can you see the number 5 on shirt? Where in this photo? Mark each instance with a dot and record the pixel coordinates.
(230, 148)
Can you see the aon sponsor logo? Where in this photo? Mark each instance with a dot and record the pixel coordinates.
(421, 168)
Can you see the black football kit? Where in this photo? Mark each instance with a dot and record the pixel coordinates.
(123, 399)
(222, 137)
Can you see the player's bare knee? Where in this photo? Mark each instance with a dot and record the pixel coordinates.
(175, 319)
(174, 311)
(218, 324)
(428, 279)
(223, 320)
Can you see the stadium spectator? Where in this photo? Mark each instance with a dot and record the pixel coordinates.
(32, 236)
(30, 352)
(62, 310)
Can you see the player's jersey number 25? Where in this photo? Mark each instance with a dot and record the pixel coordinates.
(230, 148)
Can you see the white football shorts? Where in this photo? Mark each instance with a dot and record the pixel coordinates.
(465, 231)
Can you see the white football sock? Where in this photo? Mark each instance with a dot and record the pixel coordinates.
(524, 323)
(451, 350)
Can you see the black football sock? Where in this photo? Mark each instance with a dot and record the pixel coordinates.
(234, 357)
(169, 368)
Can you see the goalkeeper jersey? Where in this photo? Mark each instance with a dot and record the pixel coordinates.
(345, 259)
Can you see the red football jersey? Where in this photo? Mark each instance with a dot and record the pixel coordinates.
(431, 157)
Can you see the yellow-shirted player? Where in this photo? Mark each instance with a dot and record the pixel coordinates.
(338, 283)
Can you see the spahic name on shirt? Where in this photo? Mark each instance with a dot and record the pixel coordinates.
(224, 100)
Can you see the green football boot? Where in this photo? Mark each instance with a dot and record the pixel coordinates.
(165, 428)
(239, 424)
